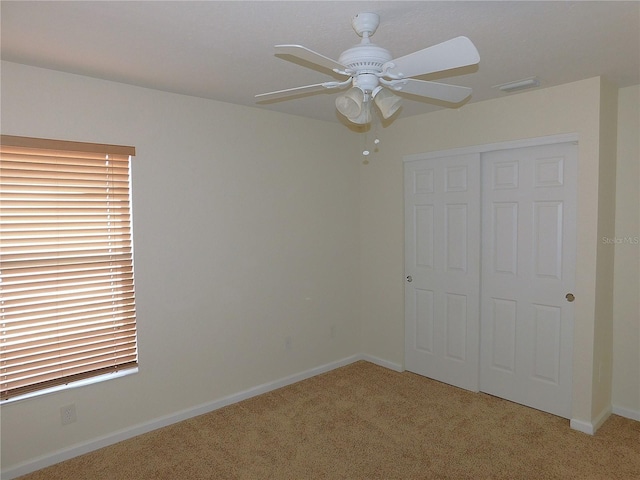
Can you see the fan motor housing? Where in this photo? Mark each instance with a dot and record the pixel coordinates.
(365, 58)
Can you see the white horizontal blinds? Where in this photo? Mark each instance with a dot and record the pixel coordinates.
(67, 307)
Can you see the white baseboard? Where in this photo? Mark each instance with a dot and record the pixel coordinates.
(627, 412)
(590, 428)
(582, 426)
(115, 437)
(383, 363)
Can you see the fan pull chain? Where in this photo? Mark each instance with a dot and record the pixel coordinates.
(376, 141)
(365, 150)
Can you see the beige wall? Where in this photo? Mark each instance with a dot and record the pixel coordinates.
(571, 108)
(626, 322)
(603, 327)
(251, 226)
(245, 232)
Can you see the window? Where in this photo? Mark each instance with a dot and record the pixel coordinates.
(67, 308)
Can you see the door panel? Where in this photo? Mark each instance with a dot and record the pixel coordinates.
(442, 219)
(505, 238)
(455, 242)
(503, 330)
(528, 267)
(456, 324)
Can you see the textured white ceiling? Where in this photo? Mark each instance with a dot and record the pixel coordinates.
(224, 50)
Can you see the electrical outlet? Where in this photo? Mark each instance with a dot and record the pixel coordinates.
(68, 414)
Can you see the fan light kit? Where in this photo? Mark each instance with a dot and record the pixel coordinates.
(373, 73)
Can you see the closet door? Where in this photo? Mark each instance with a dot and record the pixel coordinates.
(528, 265)
(442, 245)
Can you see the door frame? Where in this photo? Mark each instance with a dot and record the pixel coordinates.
(491, 147)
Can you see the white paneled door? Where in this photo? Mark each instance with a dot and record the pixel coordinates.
(442, 221)
(490, 262)
(528, 265)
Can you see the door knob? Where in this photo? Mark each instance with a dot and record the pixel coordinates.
(570, 297)
(409, 278)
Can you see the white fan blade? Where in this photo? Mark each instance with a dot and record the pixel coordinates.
(454, 53)
(291, 91)
(439, 91)
(309, 55)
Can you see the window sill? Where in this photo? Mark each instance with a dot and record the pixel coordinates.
(68, 386)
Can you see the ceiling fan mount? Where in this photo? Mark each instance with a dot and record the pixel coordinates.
(373, 73)
(365, 23)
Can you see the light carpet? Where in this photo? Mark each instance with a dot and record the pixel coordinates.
(363, 421)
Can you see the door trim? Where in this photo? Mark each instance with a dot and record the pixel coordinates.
(491, 147)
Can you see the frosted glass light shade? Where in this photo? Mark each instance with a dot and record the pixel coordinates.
(364, 117)
(387, 102)
(350, 104)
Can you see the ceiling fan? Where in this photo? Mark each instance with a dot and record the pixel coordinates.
(374, 74)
